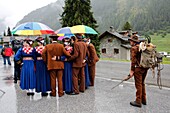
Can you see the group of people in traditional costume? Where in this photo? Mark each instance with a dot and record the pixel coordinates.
(72, 63)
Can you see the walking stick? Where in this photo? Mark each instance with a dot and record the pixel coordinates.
(125, 79)
(2, 92)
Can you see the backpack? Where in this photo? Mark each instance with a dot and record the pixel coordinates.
(150, 58)
(148, 55)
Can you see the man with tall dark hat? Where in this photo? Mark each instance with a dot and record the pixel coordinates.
(138, 72)
(55, 67)
(78, 58)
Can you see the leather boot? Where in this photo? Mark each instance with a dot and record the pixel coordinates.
(134, 103)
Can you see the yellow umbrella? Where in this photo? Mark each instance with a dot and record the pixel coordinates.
(83, 29)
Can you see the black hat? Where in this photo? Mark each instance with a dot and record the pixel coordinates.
(79, 36)
(28, 40)
(134, 33)
(40, 39)
(54, 37)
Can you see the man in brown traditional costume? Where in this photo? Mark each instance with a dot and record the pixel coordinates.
(138, 72)
(55, 67)
(78, 58)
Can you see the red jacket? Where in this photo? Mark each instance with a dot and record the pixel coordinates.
(8, 51)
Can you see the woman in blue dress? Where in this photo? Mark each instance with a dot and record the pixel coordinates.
(86, 70)
(27, 55)
(67, 74)
(87, 78)
(42, 74)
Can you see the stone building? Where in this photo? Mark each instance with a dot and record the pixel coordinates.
(115, 44)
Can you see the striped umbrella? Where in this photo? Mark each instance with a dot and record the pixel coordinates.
(65, 36)
(63, 31)
(32, 28)
(83, 29)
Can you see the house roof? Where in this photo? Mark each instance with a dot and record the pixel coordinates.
(116, 34)
(126, 46)
(119, 36)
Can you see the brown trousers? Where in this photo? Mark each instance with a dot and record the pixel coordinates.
(78, 73)
(59, 74)
(140, 75)
(92, 72)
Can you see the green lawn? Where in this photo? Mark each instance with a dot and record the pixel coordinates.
(162, 44)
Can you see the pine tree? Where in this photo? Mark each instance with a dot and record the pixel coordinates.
(78, 12)
(127, 26)
(9, 32)
(46, 40)
(4, 33)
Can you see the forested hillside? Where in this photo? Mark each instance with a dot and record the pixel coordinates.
(143, 15)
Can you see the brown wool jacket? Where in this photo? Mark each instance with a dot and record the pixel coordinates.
(135, 57)
(93, 58)
(51, 50)
(80, 53)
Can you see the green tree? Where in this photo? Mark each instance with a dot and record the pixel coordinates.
(9, 32)
(46, 40)
(4, 33)
(78, 12)
(1, 41)
(127, 26)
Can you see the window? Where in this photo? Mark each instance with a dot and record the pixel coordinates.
(116, 51)
(104, 50)
(110, 40)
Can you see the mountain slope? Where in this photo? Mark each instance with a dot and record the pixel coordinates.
(48, 15)
(143, 15)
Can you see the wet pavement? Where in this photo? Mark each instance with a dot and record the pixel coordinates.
(98, 99)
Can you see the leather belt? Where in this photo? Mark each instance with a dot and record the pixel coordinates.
(39, 58)
(27, 58)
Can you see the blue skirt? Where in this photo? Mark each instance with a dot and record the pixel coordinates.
(67, 77)
(42, 77)
(28, 78)
(87, 79)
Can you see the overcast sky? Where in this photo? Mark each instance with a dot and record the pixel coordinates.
(11, 11)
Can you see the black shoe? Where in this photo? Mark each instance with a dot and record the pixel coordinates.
(30, 93)
(53, 95)
(134, 103)
(15, 81)
(144, 103)
(44, 94)
(68, 92)
(73, 93)
(82, 91)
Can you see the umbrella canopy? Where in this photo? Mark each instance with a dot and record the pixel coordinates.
(32, 28)
(63, 31)
(83, 29)
(65, 36)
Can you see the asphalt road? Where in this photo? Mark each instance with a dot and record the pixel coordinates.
(118, 70)
(98, 99)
